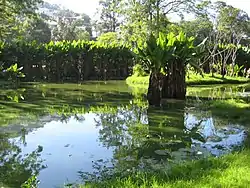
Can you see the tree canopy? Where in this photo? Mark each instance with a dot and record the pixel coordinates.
(12, 13)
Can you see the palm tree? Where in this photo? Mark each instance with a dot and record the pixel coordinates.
(155, 54)
(183, 53)
(166, 57)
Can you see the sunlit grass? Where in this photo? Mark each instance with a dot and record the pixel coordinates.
(232, 170)
(194, 79)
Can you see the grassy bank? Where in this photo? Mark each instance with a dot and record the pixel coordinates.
(232, 170)
(195, 80)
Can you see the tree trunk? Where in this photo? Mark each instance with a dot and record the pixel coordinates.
(88, 66)
(174, 85)
(155, 88)
(223, 70)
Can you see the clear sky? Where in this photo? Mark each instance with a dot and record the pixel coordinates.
(89, 6)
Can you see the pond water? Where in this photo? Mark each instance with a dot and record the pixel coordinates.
(99, 130)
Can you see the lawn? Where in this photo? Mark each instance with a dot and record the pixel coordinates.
(194, 79)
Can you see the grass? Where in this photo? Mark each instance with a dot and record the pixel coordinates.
(195, 80)
(232, 170)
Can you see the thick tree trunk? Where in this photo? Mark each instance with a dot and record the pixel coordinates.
(155, 88)
(88, 66)
(174, 85)
(58, 72)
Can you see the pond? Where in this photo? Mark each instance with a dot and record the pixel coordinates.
(68, 133)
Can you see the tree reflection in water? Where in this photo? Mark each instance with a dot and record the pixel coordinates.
(16, 168)
(142, 138)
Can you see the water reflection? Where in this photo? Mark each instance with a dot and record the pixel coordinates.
(219, 91)
(217, 140)
(16, 168)
(128, 139)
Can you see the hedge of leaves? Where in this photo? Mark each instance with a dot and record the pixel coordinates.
(68, 61)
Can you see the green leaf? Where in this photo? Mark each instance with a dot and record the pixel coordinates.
(171, 39)
(181, 37)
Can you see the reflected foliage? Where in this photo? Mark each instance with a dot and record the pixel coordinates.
(146, 138)
(142, 138)
(15, 167)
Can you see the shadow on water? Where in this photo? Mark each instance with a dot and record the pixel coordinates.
(115, 134)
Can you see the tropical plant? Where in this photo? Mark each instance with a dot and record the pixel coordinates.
(155, 53)
(167, 57)
(13, 73)
(183, 53)
(68, 60)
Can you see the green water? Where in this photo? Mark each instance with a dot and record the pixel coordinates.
(68, 133)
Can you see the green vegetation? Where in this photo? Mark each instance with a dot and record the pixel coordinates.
(107, 99)
(149, 143)
(68, 61)
(166, 57)
(34, 100)
(237, 111)
(228, 171)
(11, 11)
(193, 79)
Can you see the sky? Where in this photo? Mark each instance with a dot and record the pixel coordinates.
(80, 6)
(89, 6)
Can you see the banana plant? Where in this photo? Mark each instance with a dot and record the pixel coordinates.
(184, 49)
(71, 60)
(183, 53)
(155, 54)
(167, 57)
(13, 73)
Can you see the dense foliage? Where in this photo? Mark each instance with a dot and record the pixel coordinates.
(166, 58)
(68, 61)
(13, 13)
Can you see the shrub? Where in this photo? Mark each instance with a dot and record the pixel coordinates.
(138, 70)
